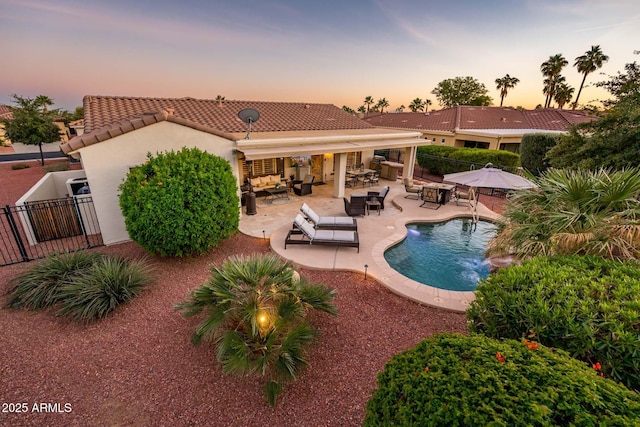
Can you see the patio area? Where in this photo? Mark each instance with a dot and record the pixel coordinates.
(376, 234)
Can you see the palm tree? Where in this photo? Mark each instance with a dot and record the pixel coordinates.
(587, 64)
(416, 105)
(362, 109)
(400, 109)
(382, 103)
(564, 93)
(551, 69)
(256, 308)
(504, 84)
(574, 212)
(368, 101)
(427, 102)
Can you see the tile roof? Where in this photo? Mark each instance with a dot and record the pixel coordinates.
(467, 117)
(5, 112)
(108, 116)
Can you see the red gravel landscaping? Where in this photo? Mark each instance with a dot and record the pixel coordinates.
(138, 366)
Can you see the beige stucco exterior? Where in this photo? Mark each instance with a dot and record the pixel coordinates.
(107, 164)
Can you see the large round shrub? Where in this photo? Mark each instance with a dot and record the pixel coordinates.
(179, 203)
(585, 305)
(451, 379)
(533, 151)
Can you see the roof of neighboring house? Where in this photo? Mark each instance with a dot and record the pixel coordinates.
(467, 118)
(5, 111)
(76, 123)
(109, 116)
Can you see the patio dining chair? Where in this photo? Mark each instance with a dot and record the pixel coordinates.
(431, 198)
(412, 190)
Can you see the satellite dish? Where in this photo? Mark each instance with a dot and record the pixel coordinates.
(249, 115)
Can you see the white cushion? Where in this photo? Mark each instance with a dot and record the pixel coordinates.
(310, 214)
(255, 182)
(384, 191)
(304, 226)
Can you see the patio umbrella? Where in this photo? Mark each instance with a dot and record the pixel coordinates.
(489, 177)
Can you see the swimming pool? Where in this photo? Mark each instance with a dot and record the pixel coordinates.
(446, 255)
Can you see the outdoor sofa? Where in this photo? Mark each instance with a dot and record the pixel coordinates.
(261, 183)
(303, 233)
(329, 222)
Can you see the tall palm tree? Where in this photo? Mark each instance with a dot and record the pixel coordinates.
(382, 104)
(504, 84)
(564, 93)
(587, 64)
(427, 102)
(574, 212)
(551, 69)
(400, 109)
(368, 101)
(256, 309)
(362, 109)
(416, 105)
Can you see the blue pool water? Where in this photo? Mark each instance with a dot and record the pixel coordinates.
(446, 255)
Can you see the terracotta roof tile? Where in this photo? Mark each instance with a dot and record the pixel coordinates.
(467, 117)
(5, 112)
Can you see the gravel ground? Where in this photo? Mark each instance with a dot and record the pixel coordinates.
(138, 367)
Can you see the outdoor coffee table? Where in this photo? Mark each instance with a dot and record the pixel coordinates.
(276, 193)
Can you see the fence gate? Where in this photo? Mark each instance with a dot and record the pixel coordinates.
(38, 229)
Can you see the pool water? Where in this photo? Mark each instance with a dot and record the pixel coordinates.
(446, 255)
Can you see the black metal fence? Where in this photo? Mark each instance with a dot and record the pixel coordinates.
(39, 229)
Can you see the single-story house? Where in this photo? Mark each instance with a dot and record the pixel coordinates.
(494, 128)
(120, 131)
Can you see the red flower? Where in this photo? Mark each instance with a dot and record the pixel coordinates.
(500, 357)
(597, 366)
(530, 344)
(426, 369)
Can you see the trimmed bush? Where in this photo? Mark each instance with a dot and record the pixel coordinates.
(57, 167)
(585, 305)
(19, 166)
(180, 203)
(441, 160)
(533, 151)
(82, 286)
(256, 309)
(450, 380)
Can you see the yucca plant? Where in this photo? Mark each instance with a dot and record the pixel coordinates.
(255, 317)
(109, 282)
(39, 287)
(574, 212)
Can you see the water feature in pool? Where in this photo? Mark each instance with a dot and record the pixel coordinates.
(446, 255)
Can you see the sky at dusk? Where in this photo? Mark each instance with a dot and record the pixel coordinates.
(328, 51)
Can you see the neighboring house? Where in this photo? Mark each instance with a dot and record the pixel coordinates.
(120, 131)
(5, 113)
(494, 128)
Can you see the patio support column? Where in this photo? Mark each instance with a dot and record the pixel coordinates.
(339, 179)
(409, 162)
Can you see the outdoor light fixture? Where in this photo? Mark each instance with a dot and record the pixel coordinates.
(263, 235)
(365, 271)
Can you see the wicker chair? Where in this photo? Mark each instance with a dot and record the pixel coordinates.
(380, 195)
(357, 205)
(304, 187)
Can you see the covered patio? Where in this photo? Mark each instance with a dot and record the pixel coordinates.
(376, 234)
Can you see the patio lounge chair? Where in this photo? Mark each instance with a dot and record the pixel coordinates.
(357, 206)
(304, 187)
(329, 222)
(431, 197)
(413, 190)
(303, 233)
(380, 195)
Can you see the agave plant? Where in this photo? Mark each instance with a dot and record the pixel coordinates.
(255, 317)
(574, 212)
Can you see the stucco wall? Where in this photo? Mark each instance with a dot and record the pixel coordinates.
(106, 165)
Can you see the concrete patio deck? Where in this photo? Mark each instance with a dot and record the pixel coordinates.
(376, 234)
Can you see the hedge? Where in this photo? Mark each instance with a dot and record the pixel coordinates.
(441, 160)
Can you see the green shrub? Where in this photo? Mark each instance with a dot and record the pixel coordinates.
(441, 160)
(39, 286)
(585, 305)
(533, 151)
(450, 380)
(82, 286)
(105, 285)
(18, 166)
(180, 203)
(57, 167)
(256, 310)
